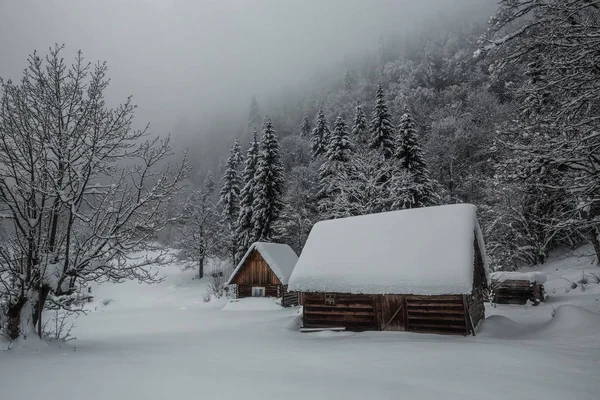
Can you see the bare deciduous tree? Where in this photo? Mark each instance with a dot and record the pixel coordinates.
(80, 189)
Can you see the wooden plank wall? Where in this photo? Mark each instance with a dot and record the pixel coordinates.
(245, 290)
(256, 271)
(436, 314)
(353, 311)
(289, 298)
(517, 292)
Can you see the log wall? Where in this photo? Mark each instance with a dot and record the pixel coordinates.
(436, 314)
(289, 299)
(355, 312)
(517, 292)
(428, 314)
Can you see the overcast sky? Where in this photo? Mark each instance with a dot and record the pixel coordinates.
(187, 58)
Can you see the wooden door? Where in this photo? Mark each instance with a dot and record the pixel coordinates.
(391, 312)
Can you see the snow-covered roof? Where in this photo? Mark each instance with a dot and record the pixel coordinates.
(280, 257)
(534, 276)
(426, 251)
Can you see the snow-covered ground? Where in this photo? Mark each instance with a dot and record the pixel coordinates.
(164, 342)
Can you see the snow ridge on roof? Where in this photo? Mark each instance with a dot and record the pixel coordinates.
(280, 257)
(423, 251)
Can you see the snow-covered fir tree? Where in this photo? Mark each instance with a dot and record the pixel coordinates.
(268, 185)
(305, 127)
(360, 127)
(229, 201)
(244, 225)
(413, 174)
(320, 134)
(337, 156)
(381, 128)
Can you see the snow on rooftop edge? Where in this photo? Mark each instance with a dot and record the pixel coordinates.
(280, 257)
(501, 276)
(426, 251)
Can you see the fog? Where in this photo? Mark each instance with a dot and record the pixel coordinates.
(186, 61)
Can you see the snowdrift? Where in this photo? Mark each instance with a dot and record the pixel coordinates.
(573, 321)
(253, 304)
(568, 321)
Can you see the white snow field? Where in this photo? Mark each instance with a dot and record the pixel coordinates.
(163, 342)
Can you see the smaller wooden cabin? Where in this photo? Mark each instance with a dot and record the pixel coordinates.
(418, 270)
(264, 271)
(518, 287)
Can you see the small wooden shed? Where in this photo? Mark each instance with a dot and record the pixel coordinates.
(418, 270)
(264, 271)
(518, 287)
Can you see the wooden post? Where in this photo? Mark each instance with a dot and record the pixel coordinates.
(468, 325)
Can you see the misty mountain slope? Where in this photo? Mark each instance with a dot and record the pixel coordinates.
(163, 341)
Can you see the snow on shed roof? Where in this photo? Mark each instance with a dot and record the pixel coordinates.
(426, 251)
(534, 276)
(280, 257)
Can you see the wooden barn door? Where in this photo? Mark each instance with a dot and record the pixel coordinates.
(390, 312)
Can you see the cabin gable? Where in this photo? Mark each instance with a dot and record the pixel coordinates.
(255, 271)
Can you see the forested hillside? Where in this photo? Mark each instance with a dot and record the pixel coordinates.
(504, 116)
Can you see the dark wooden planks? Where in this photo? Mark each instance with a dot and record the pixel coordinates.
(255, 271)
(436, 314)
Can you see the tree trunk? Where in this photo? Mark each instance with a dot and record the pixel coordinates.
(38, 309)
(13, 325)
(201, 268)
(596, 243)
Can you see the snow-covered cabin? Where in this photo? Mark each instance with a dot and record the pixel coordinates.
(419, 270)
(264, 271)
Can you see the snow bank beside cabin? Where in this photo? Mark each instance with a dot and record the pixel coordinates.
(423, 251)
(532, 277)
(252, 304)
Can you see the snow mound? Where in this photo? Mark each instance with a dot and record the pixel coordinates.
(502, 276)
(423, 251)
(295, 323)
(568, 321)
(253, 304)
(500, 327)
(571, 320)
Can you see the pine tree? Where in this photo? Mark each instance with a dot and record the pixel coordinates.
(268, 185)
(382, 131)
(229, 201)
(305, 127)
(244, 224)
(359, 125)
(413, 174)
(338, 154)
(320, 133)
(339, 148)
